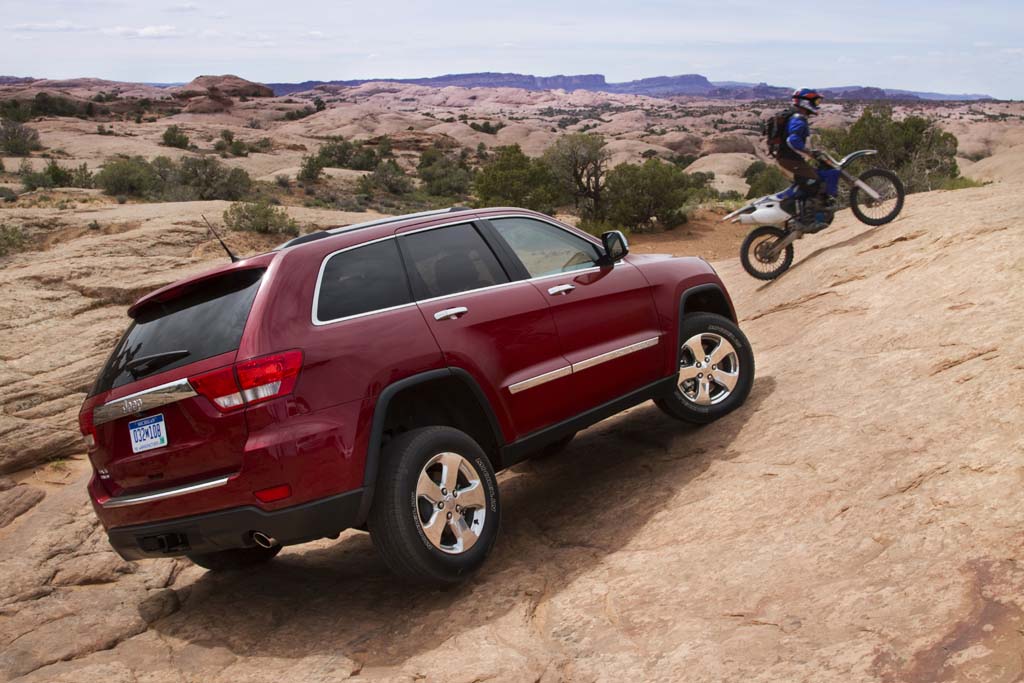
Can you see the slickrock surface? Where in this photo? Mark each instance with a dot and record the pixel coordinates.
(860, 519)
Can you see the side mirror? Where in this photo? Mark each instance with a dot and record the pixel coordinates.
(615, 247)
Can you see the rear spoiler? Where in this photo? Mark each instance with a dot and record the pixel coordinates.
(176, 289)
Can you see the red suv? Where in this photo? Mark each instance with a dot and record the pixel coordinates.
(376, 376)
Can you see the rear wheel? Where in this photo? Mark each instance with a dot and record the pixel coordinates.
(236, 558)
(756, 256)
(435, 511)
(889, 204)
(716, 370)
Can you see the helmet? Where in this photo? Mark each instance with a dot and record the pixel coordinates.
(807, 98)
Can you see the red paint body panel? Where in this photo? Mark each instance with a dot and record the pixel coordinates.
(316, 439)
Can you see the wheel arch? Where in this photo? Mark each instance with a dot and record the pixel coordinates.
(709, 297)
(412, 402)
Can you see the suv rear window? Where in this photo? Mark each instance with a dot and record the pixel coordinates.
(450, 260)
(201, 323)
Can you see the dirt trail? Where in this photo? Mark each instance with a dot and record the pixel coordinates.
(860, 519)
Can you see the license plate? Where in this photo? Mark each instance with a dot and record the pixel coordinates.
(147, 433)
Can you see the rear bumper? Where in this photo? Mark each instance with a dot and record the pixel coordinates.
(233, 528)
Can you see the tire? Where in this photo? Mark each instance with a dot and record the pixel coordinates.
(697, 400)
(892, 188)
(411, 532)
(236, 558)
(750, 260)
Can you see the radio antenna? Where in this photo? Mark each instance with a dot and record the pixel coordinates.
(230, 255)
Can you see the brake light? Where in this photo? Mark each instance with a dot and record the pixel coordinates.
(268, 377)
(87, 427)
(251, 381)
(274, 493)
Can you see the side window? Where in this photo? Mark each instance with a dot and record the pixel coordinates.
(450, 260)
(361, 280)
(545, 249)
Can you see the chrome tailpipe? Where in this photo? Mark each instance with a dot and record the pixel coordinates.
(262, 540)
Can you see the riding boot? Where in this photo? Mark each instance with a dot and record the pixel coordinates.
(806, 218)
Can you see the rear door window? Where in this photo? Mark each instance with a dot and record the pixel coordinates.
(450, 260)
(204, 322)
(545, 249)
(362, 280)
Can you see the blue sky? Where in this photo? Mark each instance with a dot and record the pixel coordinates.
(936, 46)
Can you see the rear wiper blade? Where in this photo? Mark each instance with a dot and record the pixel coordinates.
(154, 361)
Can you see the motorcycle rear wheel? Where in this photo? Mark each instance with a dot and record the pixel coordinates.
(754, 256)
(884, 210)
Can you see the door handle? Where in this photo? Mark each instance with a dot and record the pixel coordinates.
(451, 313)
(560, 289)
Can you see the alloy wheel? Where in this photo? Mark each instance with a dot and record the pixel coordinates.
(709, 369)
(450, 503)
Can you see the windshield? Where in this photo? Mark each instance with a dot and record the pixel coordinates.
(201, 323)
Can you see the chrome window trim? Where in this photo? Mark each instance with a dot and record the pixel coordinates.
(583, 365)
(139, 498)
(140, 401)
(540, 379)
(463, 219)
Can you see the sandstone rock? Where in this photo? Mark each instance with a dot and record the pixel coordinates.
(232, 86)
(724, 143)
(16, 501)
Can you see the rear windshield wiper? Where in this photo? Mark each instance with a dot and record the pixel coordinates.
(141, 366)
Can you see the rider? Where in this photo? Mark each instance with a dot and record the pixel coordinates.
(795, 154)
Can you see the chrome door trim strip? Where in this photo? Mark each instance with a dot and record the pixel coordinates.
(617, 353)
(139, 498)
(143, 400)
(540, 379)
(583, 365)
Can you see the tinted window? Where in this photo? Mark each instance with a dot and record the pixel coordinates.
(201, 323)
(545, 249)
(361, 280)
(450, 260)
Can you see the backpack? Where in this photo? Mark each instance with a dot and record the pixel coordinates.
(774, 130)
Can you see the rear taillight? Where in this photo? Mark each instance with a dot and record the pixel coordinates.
(251, 381)
(88, 429)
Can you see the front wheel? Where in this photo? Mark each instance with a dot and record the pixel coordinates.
(757, 257)
(716, 370)
(889, 204)
(435, 510)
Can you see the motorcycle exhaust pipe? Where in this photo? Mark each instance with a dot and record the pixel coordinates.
(262, 540)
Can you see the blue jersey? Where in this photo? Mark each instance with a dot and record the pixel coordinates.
(797, 132)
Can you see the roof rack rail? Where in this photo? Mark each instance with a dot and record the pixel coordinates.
(367, 224)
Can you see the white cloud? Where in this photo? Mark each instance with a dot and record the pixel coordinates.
(184, 7)
(51, 27)
(161, 31)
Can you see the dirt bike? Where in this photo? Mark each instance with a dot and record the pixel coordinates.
(876, 197)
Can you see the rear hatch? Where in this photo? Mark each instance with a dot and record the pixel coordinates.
(152, 413)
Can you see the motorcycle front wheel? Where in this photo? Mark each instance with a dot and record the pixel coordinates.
(756, 257)
(889, 204)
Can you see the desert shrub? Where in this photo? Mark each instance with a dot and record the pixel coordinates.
(487, 127)
(319, 104)
(639, 195)
(336, 152)
(579, 163)
(55, 175)
(103, 130)
(17, 139)
(390, 177)
(384, 147)
(262, 145)
(443, 176)
(510, 178)
(175, 137)
(296, 114)
(311, 168)
(12, 239)
(364, 158)
(283, 181)
(128, 176)
(764, 179)
(209, 179)
(961, 183)
(8, 195)
(921, 153)
(260, 217)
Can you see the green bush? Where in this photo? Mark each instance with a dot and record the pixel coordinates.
(12, 239)
(175, 137)
(443, 176)
(283, 181)
(764, 179)
(260, 217)
(579, 161)
(311, 168)
(390, 177)
(55, 175)
(363, 159)
(510, 178)
(132, 176)
(639, 195)
(209, 179)
(8, 195)
(17, 139)
(921, 153)
(336, 152)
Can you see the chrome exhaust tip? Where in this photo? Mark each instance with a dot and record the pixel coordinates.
(262, 540)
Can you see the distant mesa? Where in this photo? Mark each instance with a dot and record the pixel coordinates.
(655, 86)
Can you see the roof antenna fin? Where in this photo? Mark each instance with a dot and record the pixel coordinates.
(230, 255)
